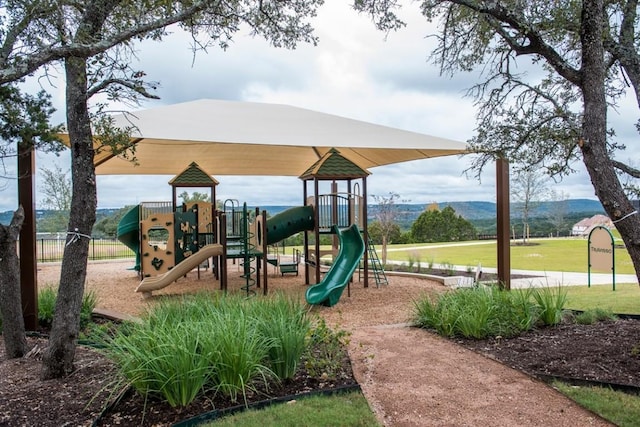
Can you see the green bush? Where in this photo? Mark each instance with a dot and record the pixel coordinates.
(325, 350)
(46, 305)
(551, 303)
(47, 298)
(228, 344)
(476, 313)
(593, 315)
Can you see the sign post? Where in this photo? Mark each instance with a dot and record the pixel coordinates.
(601, 255)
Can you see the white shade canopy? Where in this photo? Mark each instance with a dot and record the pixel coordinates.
(246, 138)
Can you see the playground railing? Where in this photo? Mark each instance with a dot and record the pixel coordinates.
(51, 250)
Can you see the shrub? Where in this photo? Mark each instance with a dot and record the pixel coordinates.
(550, 304)
(476, 313)
(325, 350)
(228, 344)
(47, 305)
(593, 315)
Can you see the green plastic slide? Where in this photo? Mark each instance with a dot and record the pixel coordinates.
(128, 232)
(330, 288)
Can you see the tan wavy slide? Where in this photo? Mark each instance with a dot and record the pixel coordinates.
(154, 283)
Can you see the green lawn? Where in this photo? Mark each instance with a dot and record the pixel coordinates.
(625, 299)
(542, 255)
(346, 410)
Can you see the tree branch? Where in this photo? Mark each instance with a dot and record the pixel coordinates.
(122, 82)
(631, 171)
(536, 43)
(31, 63)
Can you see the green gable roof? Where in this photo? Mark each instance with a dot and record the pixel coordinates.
(193, 176)
(334, 165)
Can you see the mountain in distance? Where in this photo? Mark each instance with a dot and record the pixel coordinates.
(486, 210)
(475, 210)
(471, 210)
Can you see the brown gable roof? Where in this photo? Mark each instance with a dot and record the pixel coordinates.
(334, 166)
(193, 176)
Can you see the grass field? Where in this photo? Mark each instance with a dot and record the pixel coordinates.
(625, 299)
(542, 255)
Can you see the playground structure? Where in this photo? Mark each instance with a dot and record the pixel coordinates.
(171, 240)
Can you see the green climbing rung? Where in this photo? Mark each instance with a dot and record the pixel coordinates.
(378, 270)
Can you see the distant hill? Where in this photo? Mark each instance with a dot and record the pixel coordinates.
(487, 210)
(5, 217)
(472, 210)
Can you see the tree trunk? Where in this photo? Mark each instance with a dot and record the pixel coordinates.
(58, 358)
(593, 143)
(384, 250)
(13, 330)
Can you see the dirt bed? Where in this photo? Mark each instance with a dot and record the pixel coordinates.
(410, 377)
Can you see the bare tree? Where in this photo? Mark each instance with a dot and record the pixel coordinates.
(528, 188)
(387, 214)
(56, 188)
(558, 210)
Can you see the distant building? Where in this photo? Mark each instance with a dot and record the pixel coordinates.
(584, 226)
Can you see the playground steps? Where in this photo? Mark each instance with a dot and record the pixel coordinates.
(285, 264)
(290, 266)
(376, 266)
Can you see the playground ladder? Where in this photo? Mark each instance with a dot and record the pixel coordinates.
(376, 266)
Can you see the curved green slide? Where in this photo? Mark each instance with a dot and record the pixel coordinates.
(289, 222)
(128, 232)
(330, 288)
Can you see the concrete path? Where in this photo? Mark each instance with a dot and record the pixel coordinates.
(542, 278)
(550, 278)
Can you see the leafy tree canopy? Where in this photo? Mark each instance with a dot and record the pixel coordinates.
(442, 226)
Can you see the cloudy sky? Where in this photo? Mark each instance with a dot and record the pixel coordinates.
(356, 72)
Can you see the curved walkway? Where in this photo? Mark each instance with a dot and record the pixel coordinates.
(411, 377)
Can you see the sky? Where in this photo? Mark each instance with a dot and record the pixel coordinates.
(355, 72)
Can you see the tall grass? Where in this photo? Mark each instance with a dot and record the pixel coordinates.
(167, 361)
(47, 297)
(481, 312)
(551, 302)
(187, 346)
(286, 323)
(241, 354)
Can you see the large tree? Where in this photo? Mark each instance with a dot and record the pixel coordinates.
(434, 225)
(24, 126)
(550, 72)
(35, 34)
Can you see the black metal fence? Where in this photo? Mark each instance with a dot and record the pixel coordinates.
(51, 250)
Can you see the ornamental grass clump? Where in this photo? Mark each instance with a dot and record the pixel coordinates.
(593, 315)
(240, 356)
(476, 313)
(168, 361)
(551, 303)
(285, 322)
(47, 298)
(198, 343)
